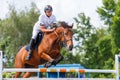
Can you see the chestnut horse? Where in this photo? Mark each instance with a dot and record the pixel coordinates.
(49, 49)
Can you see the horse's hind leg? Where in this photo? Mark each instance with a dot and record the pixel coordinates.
(28, 74)
(17, 74)
(18, 64)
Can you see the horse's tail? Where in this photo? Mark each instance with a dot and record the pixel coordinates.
(20, 48)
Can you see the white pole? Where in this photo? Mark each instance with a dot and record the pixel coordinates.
(21, 70)
(99, 71)
(117, 66)
(56, 70)
(1, 65)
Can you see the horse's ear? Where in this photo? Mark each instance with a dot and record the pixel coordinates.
(71, 26)
(63, 24)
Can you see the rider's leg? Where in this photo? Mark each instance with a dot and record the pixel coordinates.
(32, 41)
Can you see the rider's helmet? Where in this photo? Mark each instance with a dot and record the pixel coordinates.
(48, 8)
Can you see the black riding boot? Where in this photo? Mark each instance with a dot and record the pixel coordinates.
(32, 41)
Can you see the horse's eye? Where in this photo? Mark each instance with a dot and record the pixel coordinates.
(65, 33)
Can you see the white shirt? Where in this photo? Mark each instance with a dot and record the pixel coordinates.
(43, 20)
(46, 21)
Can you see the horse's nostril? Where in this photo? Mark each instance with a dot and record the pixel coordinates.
(71, 47)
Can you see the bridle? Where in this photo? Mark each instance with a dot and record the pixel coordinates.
(65, 40)
(63, 43)
(56, 34)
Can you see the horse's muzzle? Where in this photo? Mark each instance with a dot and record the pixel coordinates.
(70, 47)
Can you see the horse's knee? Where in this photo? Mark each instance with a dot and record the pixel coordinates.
(46, 57)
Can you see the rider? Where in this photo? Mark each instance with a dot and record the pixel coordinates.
(42, 25)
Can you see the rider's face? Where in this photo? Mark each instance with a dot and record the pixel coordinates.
(48, 13)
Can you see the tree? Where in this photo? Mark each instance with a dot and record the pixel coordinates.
(94, 45)
(116, 27)
(85, 38)
(16, 31)
(107, 11)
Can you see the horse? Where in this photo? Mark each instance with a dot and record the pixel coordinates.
(48, 50)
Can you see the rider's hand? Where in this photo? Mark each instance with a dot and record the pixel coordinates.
(53, 29)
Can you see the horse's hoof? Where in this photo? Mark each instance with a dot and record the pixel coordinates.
(54, 63)
(48, 64)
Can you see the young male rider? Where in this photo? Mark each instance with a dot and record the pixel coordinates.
(42, 25)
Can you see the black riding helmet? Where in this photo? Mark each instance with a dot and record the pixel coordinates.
(48, 8)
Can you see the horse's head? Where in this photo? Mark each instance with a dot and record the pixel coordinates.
(67, 35)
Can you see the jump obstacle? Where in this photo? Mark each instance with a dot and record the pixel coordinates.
(60, 70)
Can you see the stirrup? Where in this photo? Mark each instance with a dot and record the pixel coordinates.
(29, 55)
(27, 58)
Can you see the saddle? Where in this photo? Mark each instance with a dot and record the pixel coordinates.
(37, 42)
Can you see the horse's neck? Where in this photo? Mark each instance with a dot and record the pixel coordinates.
(53, 38)
(59, 31)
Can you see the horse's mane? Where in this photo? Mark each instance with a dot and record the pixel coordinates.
(63, 24)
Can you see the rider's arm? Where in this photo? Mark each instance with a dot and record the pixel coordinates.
(43, 29)
(54, 21)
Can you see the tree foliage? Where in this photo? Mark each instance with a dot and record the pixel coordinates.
(107, 11)
(116, 26)
(16, 31)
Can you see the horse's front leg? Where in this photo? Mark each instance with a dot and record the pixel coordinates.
(46, 57)
(59, 58)
(49, 59)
